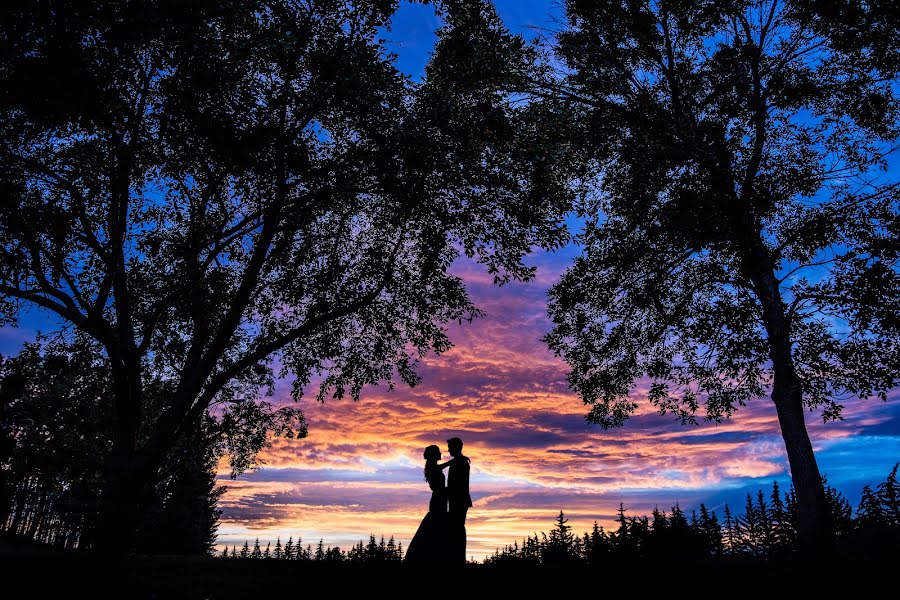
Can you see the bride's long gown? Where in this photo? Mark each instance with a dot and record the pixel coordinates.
(430, 542)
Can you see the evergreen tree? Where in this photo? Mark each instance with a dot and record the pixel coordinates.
(749, 530)
(660, 535)
(785, 538)
(559, 546)
(245, 551)
(268, 551)
(766, 531)
(184, 517)
(391, 549)
(869, 512)
(358, 553)
(679, 528)
(225, 552)
(793, 513)
(578, 549)
(372, 549)
(278, 553)
(732, 533)
(289, 549)
(839, 508)
(234, 553)
(598, 546)
(712, 544)
(889, 496)
(320, 551)
(256, 551)
(625, 538)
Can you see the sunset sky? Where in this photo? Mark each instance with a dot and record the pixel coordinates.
(505, 395)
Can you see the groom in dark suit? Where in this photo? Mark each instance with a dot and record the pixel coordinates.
(459, 500)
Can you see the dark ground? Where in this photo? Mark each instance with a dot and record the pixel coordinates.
(31, 572)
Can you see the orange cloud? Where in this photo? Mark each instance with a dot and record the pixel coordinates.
(506, 396)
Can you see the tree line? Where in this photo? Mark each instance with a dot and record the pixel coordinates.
(61, 438)
(767, 529)
(372, 552)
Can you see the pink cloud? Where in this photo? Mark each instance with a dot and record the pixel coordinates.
(505, 394)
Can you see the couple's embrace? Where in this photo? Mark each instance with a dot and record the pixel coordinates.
(442, 535)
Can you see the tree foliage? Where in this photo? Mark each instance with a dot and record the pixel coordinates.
(222, 193)
(717, 125)
(744, 238)
(61, 440)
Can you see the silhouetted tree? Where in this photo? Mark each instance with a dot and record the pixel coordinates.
(749, 533)
(245, 551)
(256, 550)
(869, 513)
(768, 533)
(278, 553)
(289, 548)
(320, 551)
(889, 496)
(784, 534)
(839, 508)
(710, 533)
(559, 549)
(54, 462)
(597, 547)
(57, 459)
(206, 188)
(743, 240)
(732, 532)
(184, 517)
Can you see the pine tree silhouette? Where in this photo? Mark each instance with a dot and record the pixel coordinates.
(785, 538)
(889, 496)
(732, 535)
(840, 511)
(289, 549)
(320, 551)
(869, 512)
(766, 534)
(245, 551)
(559, 549)
(278, 552)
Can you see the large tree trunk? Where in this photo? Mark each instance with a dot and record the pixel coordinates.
(121, 495)
(815, 532)
(119, 505)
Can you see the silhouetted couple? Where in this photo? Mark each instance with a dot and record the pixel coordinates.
(442, 535)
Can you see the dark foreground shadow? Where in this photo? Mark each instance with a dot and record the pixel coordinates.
(63, 576)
